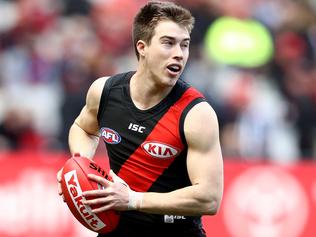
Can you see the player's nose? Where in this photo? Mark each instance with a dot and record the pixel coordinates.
(178, 52)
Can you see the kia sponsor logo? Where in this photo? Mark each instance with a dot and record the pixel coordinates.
(85, 211)
(110, 136)
(159, 150)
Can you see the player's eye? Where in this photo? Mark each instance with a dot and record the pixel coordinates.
(185, 45)
(167, 42)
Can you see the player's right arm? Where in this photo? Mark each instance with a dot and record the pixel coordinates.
(84, 133)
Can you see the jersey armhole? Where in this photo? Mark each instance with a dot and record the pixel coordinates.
(110, 82)
(183, 116)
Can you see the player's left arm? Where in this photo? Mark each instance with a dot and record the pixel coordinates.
(205, 168)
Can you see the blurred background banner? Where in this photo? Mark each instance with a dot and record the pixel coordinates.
(255, 62)
(260, 199)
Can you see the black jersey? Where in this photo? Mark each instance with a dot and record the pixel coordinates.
(147, 148)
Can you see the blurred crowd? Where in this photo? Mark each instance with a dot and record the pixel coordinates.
(52, 50)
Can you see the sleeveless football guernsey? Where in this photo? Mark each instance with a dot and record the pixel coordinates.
(147, 148)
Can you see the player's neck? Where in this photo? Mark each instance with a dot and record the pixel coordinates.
(145, 93)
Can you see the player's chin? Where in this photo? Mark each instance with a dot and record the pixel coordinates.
(171, 78)
(169, 82)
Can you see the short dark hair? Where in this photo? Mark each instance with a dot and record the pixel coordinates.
(152, 13)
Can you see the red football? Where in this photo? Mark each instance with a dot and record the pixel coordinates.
(74, 182)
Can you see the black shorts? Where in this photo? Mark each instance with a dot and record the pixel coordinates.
(137, 229)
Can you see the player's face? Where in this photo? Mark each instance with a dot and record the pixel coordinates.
(168, 52)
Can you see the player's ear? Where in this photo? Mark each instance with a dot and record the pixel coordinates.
(141, 47)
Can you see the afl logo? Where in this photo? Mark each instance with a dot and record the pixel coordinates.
(159, 150)
(110, 136)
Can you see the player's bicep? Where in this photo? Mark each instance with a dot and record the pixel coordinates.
(87, 119)
(204, 160)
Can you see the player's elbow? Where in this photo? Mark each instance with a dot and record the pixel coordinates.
(212, 207)
(210, 204)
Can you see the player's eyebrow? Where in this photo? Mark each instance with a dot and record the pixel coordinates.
(174, 38)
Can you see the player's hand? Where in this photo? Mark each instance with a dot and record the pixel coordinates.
(59, 177)
(114, 195)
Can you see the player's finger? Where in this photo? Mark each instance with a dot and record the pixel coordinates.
(59, 176)
(96, 201)
(103, 208)
(104, 182)
(59, 187)
(62, 195)
(60, 191)
(94, 193)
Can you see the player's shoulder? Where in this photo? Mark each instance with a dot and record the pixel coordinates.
(97, 86)
(95, 91)
(200, 125)
(201, 115)
(202, 110)
(99, 83)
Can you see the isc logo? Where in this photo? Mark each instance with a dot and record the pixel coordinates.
(159, 150)
(110, 136)
(136, 128)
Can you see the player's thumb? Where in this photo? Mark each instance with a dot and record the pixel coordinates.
(59, 175)
(117, 179)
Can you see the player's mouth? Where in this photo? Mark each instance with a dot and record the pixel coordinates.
(174, 69)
